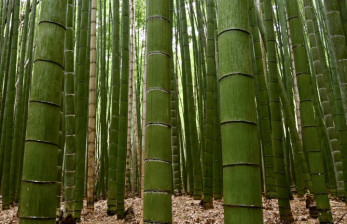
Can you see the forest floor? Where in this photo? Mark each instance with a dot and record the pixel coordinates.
(186, 210)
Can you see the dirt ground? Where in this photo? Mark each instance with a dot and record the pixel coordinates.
(187, 210)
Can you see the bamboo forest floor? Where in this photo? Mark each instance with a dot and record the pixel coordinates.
(186, 210)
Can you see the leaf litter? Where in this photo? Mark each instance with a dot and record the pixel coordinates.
(185, 210)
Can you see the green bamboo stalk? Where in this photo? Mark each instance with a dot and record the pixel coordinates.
(217, 154)
(4, 65)
(184, 167)
(19, 109)
(158, 157)
(211, 108)
(106, 99)
(184, 45)
(139, 60)
(199, 88)
(241, 163)
(3, 19)
(123, 112)
(287, 60)
(257, 97)
(263, 105)
(102, 92)
(69, 113)
(343, 13)
(309, 130)
(60, 153)
(299, 154)
(80, 110)
(282, 185)
(77, 42)
(327, 100)
(113, 134)
(195, 151)
(2, 14)
(337, 66)
(38, 200)
(9, 114)
(286, 148)
(301, 178)
(176, 165)
(195, 97)
(181, 123)
(332, 83)
(338, 43)
(328, 161)
(28, 75)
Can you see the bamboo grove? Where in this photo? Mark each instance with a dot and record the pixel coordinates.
(215, 99)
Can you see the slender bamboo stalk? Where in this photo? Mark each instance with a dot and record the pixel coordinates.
(191, 112)
(28, 72)
(327, 100)
(9, 113)
(5, 51)
(184, 47)
(128, 182)
(81, 115)
(70, 144)
(310, 131)
(338, 67)
(19, 108)
(92, 112)
(217, 154)
(338, 43)
(343, 13)
(103, 98)
(282, 185)
(175, 114)
(211, 108)
(113, 134)
(295, 86)
(263, 107)
(123, 112)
